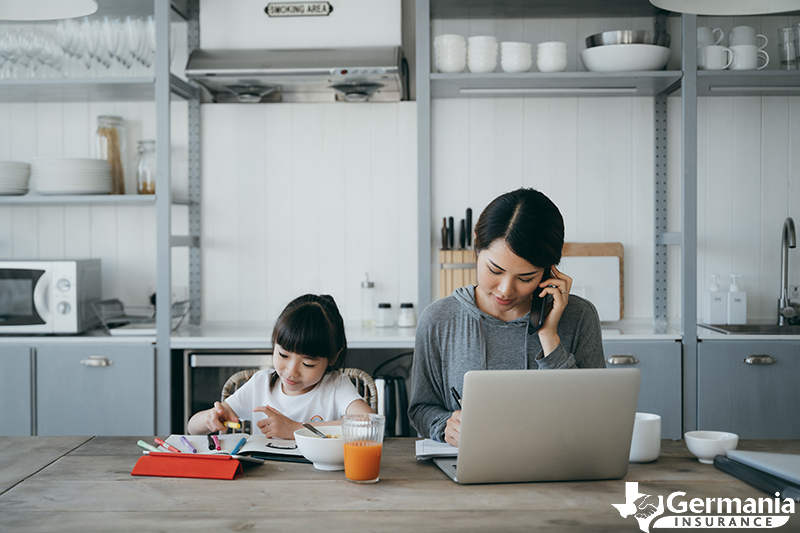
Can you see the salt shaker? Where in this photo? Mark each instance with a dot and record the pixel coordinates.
(367, 302)
(385, 318)
(146, 168)
(407, 317)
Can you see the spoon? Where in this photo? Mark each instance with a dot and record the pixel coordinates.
(314, 430)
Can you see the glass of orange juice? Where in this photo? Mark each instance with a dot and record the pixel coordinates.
(363, 443)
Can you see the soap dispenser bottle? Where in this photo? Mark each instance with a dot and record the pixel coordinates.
(714, 303)
(737, 302)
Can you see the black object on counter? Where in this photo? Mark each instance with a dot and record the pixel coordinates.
(444, 234)
(469, 227)
(462, 235)
(451, 234)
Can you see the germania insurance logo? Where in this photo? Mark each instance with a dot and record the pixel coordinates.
(703, 513)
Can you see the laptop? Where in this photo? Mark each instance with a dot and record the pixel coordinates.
(544, 425)
(782, 465)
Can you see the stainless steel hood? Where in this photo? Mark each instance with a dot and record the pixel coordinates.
(374, 74)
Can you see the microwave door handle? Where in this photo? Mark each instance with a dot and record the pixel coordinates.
(40, 297)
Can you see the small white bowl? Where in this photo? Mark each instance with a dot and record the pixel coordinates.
(624, 57)
(326, 454)
(706, 445)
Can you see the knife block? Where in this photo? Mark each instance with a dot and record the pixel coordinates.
(456, 269)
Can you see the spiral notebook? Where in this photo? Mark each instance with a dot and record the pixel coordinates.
(257, 446)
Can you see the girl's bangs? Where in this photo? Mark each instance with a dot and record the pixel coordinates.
(305, 333)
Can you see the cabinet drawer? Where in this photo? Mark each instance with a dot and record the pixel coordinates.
(660, 391)
(15, 390)
(95, 390)
(755, 401)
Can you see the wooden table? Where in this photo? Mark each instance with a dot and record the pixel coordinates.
(84, 484)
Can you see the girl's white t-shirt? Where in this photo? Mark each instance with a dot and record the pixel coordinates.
(326, 402)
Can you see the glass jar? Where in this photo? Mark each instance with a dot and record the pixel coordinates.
(367, 302)
(146, 167)
(112, 146)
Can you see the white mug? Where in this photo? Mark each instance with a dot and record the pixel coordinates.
(706, 36)
(745, 57)
(714, 58)
(746, 35)
(646, 439)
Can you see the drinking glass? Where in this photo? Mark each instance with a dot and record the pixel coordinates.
(363, 444)
(787, 53)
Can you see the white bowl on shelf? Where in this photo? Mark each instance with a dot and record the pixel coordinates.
(706, 445)
(624, 57)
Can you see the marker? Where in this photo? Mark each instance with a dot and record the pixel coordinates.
(216, 442)
(148, 446)
(167, 446)
(238, 446)
(189, 444)
(455, 395)
(210, 442)
(233, 425)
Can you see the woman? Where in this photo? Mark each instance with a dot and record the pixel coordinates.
(518, 241)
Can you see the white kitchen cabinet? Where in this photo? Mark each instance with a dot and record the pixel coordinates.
(15, 390)
(660, 389)
(749, 388)
(95, 389)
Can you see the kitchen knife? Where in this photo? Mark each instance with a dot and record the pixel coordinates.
(469, 227)
(451, 233)
(444, 234)
(461, 235)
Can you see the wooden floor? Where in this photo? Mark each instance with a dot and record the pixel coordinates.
(57, 484)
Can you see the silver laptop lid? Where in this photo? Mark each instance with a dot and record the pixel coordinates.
(546, 425)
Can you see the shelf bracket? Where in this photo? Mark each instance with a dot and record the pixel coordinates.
(662, 238)
(183, 89)
(179, 241)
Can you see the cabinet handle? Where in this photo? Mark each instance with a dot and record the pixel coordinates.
(622, 360)
(97, 360)
(760, 360)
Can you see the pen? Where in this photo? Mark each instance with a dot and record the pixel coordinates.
(167, 446)
(455, 395)
(211, 445)
(189, 444)
(234, 425)
(238, 446)
(216, 442)
(147, 446)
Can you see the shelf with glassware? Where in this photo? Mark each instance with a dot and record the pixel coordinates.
(501, 84)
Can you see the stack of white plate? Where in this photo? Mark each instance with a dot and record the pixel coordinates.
(71, 176)
(14, 177)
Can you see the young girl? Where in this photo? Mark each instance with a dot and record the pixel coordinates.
(309, 347)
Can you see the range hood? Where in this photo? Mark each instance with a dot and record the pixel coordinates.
(370, 74)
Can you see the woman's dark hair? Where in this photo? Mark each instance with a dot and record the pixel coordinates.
(530, 224)
(311, 325)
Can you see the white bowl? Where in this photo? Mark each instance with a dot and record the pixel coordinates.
(624, 57)
(706, 445)
(326, 454)
(516, 65)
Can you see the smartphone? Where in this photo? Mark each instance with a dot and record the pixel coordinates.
(540, 307)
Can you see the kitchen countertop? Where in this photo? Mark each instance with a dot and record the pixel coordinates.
(84, 484)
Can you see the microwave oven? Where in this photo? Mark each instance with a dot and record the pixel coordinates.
(41, 297)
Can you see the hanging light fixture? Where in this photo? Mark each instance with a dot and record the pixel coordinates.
(728, 7)
(45, 9)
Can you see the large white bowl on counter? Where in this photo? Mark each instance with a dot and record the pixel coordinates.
(624, 57)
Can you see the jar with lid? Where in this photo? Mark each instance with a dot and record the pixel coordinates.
(146, 167)
(407, 317)
(385, 318)
(367, 302)
(112, 146)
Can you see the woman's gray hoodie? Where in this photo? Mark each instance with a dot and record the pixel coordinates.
(455, 336)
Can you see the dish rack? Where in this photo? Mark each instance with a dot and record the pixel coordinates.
(114, 314)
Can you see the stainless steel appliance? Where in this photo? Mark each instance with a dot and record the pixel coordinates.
(41, 297)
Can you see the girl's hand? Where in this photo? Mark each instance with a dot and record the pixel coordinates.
(558, 286)
(215, 417)
(453, 430)
(276, 424)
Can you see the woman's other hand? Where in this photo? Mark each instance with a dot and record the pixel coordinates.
(559, 287)
(453, 429)
(276, 424)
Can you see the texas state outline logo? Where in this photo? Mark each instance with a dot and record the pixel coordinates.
(703, 513)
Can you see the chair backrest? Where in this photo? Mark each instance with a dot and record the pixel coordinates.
(363, 382)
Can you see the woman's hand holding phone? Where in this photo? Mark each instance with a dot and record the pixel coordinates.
(558, 286)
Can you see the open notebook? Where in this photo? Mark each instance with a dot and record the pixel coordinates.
(257, 446)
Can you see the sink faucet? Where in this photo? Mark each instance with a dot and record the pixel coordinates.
(788, 240)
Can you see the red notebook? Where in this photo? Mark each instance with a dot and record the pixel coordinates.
(203, 466)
